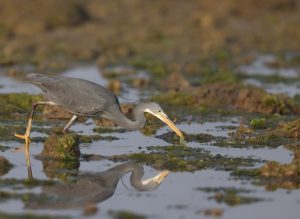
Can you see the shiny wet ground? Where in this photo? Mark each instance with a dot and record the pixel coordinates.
(180, 195)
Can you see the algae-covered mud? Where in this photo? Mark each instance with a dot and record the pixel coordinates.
(229, 164)
(226, 73)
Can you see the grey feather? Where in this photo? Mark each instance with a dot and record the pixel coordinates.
(82, 97)
(78, 96)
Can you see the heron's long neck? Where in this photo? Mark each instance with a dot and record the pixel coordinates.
(138, 118)
(137, 172)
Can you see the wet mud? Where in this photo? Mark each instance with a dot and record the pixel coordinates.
(226, 73)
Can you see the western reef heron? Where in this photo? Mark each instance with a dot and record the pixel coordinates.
(86, 98)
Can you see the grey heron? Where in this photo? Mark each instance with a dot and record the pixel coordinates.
(86, 98)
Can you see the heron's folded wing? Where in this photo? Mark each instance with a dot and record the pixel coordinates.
(76, 95)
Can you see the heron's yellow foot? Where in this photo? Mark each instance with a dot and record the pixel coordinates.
(27, 143)
(25, 137)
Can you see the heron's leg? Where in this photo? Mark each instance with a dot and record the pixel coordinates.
(65, 130)
(29, 125)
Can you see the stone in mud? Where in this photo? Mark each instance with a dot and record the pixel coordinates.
(274, 169)
(273, 175)
(271, 138)
(114, 86)
(140, 82)
(55, 112)
(175, 81)
(176, 99)
(151, 125)
(60, 169)
(5, 166)
(60, 155)
(231, 96)
(90, 209)
(39, 17)
(232, 198)
(172, 138)
(291, 129)
(123, 214)
(214, 212)
(105, 123)
(280, 134)
(61, 147)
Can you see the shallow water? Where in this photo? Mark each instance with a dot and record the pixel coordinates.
(10, 85)
(260, 67)
(178, 196)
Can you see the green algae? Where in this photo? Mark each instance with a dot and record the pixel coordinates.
(175, 98)
(17, 103)
(226, 76)
(258, 123)
(183, 158)
(64, 170)
(122, 214)
(157, 69)
(283, 134)
(232, 198)
(291, 129)
(102, 130)
(60, 155)
(273, 175)
(269, 138)
(272, 132)
(152, 125)
(230, 195)
(273, 101)
(30, 216)
(91, 138)
(7, 132)
(182, 141)
(228, 98)
(172, 138)
(65, 147)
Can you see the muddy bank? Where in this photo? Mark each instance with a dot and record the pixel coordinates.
(229, 96)
(174, 33)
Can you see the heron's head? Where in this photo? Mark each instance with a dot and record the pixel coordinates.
(156, 110)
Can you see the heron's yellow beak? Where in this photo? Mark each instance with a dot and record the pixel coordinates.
(163, 117)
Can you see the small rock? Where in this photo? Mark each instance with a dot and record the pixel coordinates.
(140, 82)
(55, 112)
(114, 86)
(215, 212)
(175, 81)
(126, 109)
(5, 166)
(90, 209)
(65, 147)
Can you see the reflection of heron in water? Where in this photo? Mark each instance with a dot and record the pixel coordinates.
(94, 188)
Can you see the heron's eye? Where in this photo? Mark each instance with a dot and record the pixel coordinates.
(159, 111)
